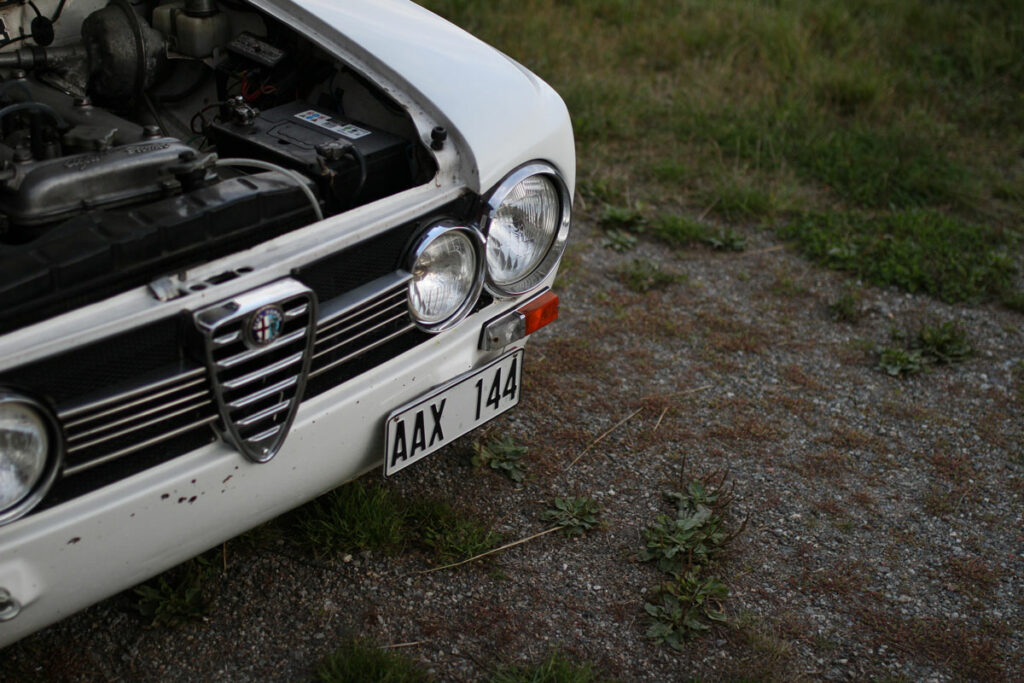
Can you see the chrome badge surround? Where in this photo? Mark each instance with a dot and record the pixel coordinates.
(258, 348)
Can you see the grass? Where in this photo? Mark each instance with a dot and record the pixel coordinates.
(939, 344)
(368, 516)
(642, 276)
(556, 668)
(882, 138)
(358, 661)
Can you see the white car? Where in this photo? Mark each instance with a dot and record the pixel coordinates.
(249, 250)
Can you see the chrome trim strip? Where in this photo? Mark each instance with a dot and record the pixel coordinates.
(344, 359)
(249, 354)
(68, 413)
(361, 296)
(244, 380)
(382, 306)
(138, 446)
(346, 340)
(134, 428)
(264, 414)
(263, 393)
(77, 436)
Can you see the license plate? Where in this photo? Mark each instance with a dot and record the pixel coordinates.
(417, 429)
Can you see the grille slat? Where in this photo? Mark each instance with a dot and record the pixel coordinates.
(250, 354)
(202, 396)
(136, 427)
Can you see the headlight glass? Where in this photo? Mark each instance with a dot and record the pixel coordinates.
(445, 276)
(24, 450)
(527, 223)
(521, 230)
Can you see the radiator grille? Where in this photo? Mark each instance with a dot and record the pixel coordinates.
(258, 354)
(97, 432)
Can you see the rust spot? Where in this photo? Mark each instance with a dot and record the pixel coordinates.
(132, 515)
(192, 500)
(227, 478)
(165, 496)
(193, 481)
(182, 500)
(74, 540)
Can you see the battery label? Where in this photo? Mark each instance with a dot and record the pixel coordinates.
(324, 121)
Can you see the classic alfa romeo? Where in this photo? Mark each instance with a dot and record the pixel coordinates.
(249, 250)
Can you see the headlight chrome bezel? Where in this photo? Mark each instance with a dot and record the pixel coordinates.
(423, 240)
(54, 457)
(556, 245)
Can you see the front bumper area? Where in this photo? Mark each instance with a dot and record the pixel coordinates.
(62, 559)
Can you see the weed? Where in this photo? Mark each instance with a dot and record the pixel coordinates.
(899, 362)
(556, 668)
(621, 218)
(679, 543)
(679, 231)
(575, 516)
(943, 343)
(502, 455)
(939, 344)
(685, 608)
(846, 308)
(644, 276)
(619, 240)
(357, 516)
(179, 595)
(452, 536)
(358, 661)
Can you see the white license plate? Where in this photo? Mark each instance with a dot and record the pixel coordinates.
(417, 429)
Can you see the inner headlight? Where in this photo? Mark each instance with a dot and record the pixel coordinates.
(527, 222)
(28, 455)
(447, 270)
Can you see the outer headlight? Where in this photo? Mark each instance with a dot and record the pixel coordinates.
(527, 223)
(29, 454)
(447, 275)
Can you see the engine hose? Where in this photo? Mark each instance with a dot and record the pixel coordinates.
(36, 106)
(267, 166)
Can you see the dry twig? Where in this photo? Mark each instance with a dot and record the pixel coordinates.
(598, 439)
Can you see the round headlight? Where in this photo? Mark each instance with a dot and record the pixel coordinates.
(527, 223)
(28, 455)
(446, 271)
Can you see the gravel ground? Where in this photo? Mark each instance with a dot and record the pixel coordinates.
(884, 516)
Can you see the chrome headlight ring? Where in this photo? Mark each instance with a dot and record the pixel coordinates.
(445, 250)
(14, 406)
(505, 277)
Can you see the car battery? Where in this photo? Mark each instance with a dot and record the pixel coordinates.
(291, 134)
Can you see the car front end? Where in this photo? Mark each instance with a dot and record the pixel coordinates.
(319, 251)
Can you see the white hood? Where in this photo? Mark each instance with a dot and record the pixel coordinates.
(497, 112)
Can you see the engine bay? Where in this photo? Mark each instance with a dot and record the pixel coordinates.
(142, 139)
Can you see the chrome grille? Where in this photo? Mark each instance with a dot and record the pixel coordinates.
(360, 321)
(99, 431)
(258, 382)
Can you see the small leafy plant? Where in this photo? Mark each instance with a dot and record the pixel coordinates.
(933, 345)
(502, 455)
(644, 276)
(685, 608)
(179, 595)
(685, 546)
(846, 308)
(619, 240)
(575, 516)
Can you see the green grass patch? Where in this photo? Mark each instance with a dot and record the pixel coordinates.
(368, 516)
(939, 344)
(643, 275)
(556, 668)
(916, 250)
(877, 117)
(359, 661)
